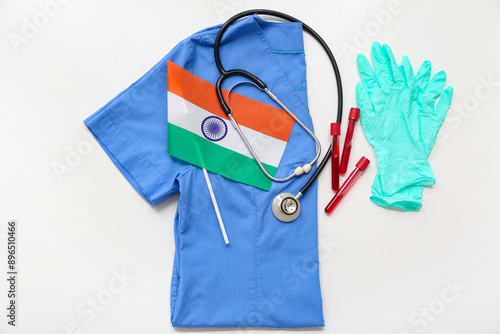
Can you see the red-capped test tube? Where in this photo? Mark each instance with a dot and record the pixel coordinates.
(335, 132)
(346, 152)
(360, 167)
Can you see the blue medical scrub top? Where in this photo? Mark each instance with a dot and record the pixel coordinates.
(268, 275)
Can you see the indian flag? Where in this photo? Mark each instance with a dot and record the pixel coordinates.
(200, 133)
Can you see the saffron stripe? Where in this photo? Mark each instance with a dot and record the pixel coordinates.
(250, 113)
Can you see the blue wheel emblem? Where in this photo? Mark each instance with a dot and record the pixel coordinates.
(214, 128)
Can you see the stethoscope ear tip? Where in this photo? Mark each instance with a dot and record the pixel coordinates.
(302, 169)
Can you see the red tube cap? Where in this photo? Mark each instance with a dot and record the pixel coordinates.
(363, 163)
(354, 114)
(335, 129)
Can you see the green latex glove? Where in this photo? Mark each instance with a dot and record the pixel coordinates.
(430, 118)
(390, 100)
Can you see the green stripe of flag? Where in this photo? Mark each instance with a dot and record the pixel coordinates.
(190, 147)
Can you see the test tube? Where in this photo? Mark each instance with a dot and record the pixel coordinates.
(360, 167)
(346, 152)
(335, 132)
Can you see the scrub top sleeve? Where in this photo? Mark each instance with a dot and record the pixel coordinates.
(132, 130)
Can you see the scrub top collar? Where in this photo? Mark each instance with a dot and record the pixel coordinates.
(260, 58)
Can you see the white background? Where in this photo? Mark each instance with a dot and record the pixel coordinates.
(381, 270)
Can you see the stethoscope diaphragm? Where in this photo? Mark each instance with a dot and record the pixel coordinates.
(286, 207)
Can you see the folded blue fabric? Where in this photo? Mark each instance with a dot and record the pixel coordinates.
(268, 275)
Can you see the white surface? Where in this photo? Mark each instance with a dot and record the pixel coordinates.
(379, 268)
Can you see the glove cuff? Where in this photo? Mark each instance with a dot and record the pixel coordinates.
(396, 172)
(408, 199)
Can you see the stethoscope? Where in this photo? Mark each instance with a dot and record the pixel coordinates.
(285, 206)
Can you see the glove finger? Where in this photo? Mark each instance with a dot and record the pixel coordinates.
(367, 111)
(434, 89)
(444, 103)
(436, 85)
(408, 70)
(402, 69)
(424, 75)
(363, 99)
(431, 124)
(413, 113)
(366, 73)
(366, 106)
(396, 73)
(381, 65)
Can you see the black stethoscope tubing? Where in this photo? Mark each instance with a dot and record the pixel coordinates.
(225, 74)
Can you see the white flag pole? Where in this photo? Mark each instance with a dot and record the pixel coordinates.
(216, 207)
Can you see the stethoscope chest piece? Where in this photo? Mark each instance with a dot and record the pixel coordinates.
(286, 207)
